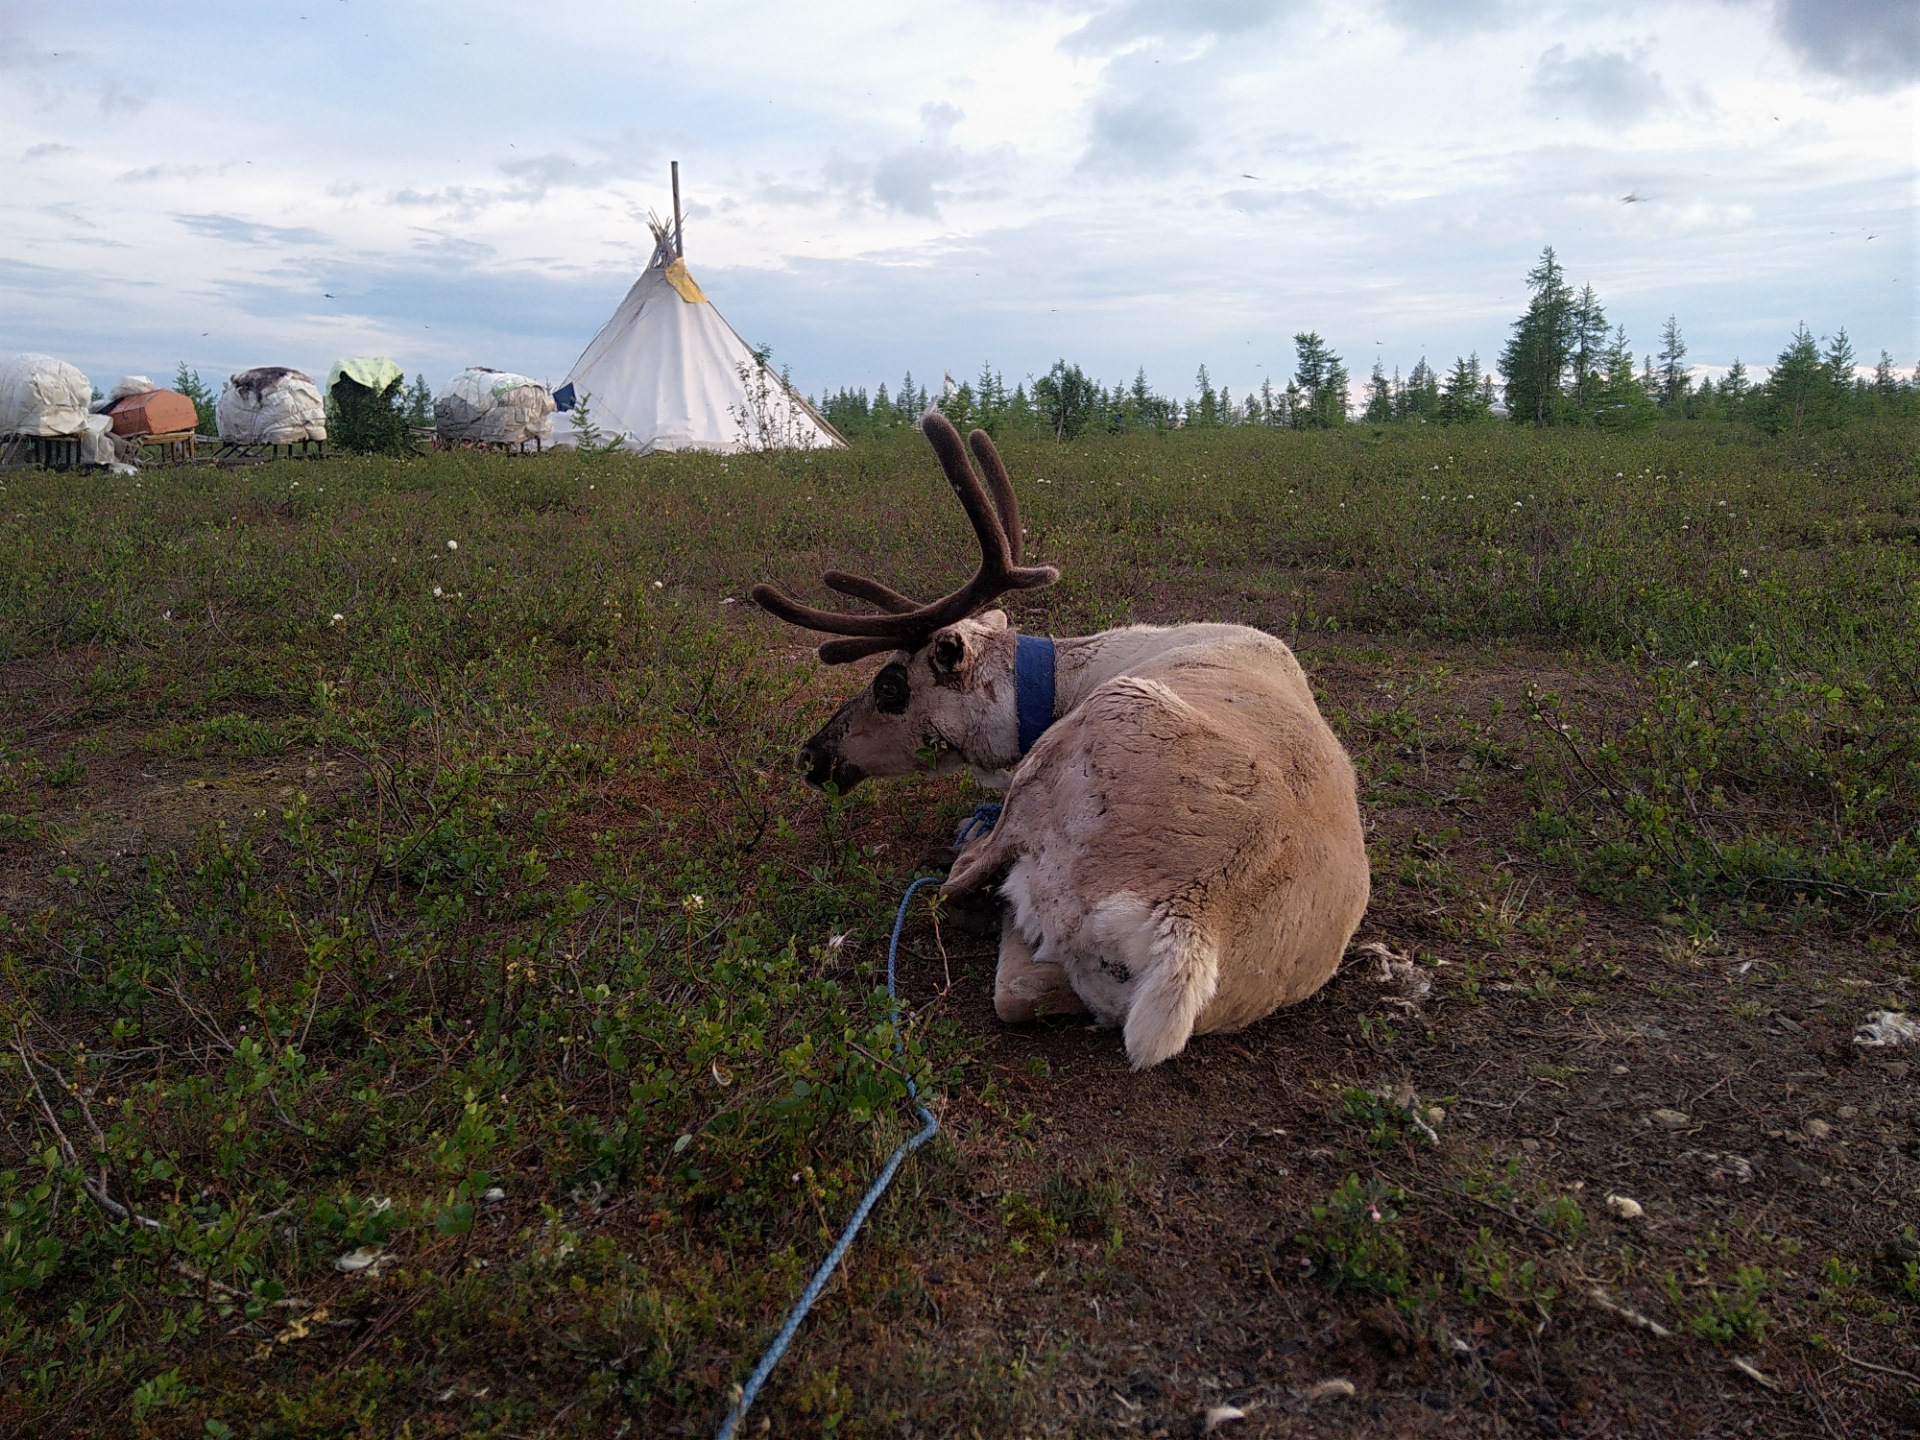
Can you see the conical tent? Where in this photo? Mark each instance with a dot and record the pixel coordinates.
(668, 373)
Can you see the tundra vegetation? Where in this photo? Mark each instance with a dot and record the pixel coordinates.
(431, 1004)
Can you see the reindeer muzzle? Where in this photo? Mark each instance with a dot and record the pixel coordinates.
(820, 760)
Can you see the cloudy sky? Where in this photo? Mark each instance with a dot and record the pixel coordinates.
(872, 188)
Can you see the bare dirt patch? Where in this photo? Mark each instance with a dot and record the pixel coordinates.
(1715, 1085)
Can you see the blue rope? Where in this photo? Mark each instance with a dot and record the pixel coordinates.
(867, 1201)
(981, 822)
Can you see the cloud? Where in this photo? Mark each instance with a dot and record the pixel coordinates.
(454, 248)
(535, 175)
(1138, 137)
(1445, 18)
(940, 117)
(161, 172)
(248, 232)
(531, 179)
(119, 99)
(453, 197)
(913, 179)
(905, 180)
(17, 50)
(48, 151)
(1307, 201)
(1873, 43)
(413, 297)
(1609, 86)
(1119, 26)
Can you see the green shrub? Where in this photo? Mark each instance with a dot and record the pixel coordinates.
(1351, 1241)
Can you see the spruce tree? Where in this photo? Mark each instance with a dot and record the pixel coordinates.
(189, 384)
(1322, 378)
(1798, 393)
(1589, 333)
(1674, 382)
(1623, 402)
(1735, 390)
(1839, 363)
(1272, 406)
(420, 404)
(1205, 409)
(1465, 399)
(1535, 358)
(1886, 384)
(1421, 399)
(1379, 396)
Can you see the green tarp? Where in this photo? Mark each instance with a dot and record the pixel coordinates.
(376, 372)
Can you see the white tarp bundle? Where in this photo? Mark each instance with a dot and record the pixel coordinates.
(40, 395)
(493, 407)
(667, 373)
(271, 405)
(129, 385)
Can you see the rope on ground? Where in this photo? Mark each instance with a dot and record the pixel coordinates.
(986, 816)
(874, 1192)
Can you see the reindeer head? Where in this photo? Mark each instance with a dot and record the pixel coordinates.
(946, 694)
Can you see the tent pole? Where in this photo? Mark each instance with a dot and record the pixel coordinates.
(678, 248)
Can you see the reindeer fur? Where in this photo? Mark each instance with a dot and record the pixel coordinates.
(1182, 848)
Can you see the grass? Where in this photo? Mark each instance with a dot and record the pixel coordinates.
(405, 860)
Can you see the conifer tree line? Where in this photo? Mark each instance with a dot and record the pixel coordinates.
(1067, 402)
(1561, 365)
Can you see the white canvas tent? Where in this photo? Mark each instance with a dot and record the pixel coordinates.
(668, 373)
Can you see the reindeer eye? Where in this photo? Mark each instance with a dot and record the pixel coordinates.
(891, 690)
(948, 652)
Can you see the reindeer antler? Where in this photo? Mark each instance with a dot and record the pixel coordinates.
(907, 623)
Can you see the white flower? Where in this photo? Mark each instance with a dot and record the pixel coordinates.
(694, 904)
(659, 584)
(453, 544)
(1743, 573)
(436, 592)
(338, 618)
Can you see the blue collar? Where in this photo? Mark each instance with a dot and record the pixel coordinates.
(1033, 687)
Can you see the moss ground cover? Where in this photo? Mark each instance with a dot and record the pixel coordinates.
(432, 1005)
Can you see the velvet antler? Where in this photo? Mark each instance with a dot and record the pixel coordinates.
(906, 623)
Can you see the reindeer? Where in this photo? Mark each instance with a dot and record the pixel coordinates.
(1180, 835)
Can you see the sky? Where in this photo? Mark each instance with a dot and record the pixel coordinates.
(876, 188)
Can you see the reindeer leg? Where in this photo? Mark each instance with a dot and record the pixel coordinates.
(1025, 988)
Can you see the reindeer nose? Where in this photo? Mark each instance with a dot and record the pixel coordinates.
(814, 765)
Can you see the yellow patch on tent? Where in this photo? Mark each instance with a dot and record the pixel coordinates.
(683, 283)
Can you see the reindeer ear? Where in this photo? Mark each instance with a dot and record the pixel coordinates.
(948, 652)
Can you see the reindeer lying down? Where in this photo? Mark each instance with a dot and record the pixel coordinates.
(1180, 835)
